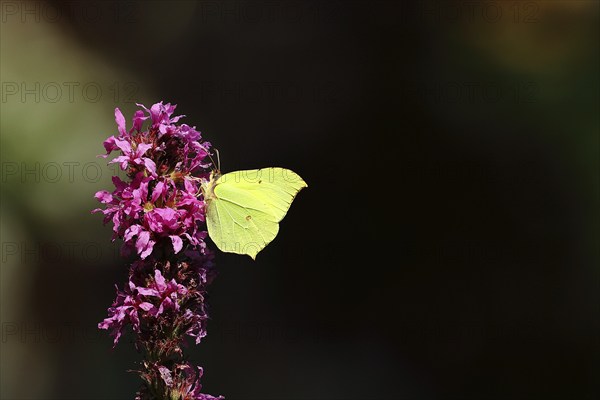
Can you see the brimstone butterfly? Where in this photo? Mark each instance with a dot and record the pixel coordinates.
(244, 208)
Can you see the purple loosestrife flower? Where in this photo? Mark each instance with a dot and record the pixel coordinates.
(181, 381)
(160, 204)
(123, 311)
(151, 300)
(159, 213)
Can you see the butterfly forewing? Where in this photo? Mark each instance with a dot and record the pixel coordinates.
(271, 189)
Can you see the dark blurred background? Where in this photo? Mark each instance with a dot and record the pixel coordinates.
(447, 245)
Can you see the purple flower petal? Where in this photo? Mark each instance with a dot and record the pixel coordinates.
(148, 291)
(138, 120)
(150, 166)
(120, 119)
(124, 146)
(109, 146)
(146, 306)
(103, 196)
(143, 148)
(159, 280)
(148, 250)
(132, 231)
(158, 191)
(177, 243)
(142, 242)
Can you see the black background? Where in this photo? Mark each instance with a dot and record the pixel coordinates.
(447, 244)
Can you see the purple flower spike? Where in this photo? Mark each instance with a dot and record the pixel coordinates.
(158, 212)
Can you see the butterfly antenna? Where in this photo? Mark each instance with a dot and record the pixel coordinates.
(212, 160)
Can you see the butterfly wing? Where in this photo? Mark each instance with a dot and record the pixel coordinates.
(244, 215)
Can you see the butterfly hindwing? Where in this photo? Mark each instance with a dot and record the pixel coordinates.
(235, 229)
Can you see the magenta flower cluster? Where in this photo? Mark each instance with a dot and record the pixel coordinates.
(150, 301)
(160, 202)
(158, 212)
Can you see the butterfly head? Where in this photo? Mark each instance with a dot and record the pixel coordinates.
(214, 175)
(208, 186)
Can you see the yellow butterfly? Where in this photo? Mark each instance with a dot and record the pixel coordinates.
(244, 208)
